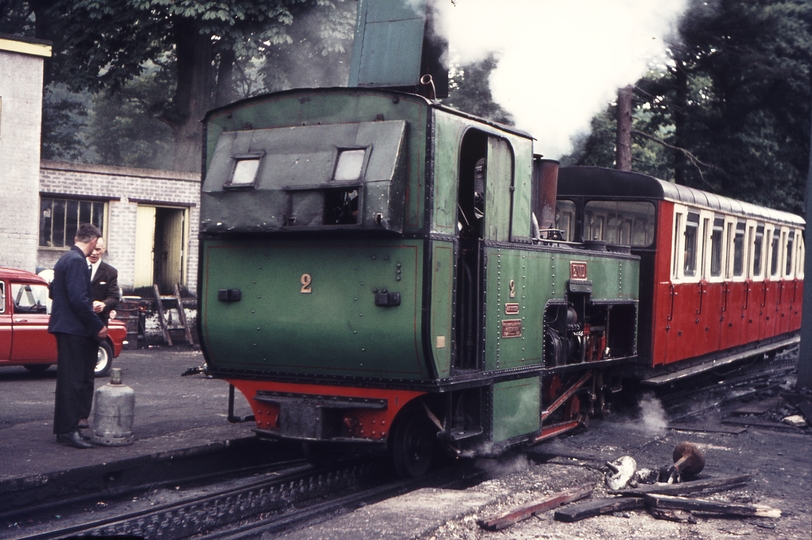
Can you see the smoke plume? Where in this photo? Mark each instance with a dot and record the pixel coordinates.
(560, 61)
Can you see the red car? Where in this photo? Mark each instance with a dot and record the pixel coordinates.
(24, 337)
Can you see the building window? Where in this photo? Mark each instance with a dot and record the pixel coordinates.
(60, 218)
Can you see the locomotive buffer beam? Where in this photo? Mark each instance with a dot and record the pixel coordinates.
(314, 417)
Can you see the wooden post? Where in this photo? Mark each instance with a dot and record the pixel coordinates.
(805, 349)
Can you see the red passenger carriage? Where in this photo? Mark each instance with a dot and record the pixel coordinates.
(720, 279)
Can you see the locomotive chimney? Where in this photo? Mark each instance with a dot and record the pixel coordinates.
(545, 187)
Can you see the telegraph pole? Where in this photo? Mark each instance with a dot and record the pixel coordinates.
(805, 349)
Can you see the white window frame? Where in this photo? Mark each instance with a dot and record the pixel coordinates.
(760, 274)
(791, 274)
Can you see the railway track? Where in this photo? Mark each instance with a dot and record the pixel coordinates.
(243, 508)
(715, 389)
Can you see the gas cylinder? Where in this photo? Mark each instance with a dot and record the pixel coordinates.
(113, 408)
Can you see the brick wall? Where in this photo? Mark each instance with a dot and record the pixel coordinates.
(124, 189)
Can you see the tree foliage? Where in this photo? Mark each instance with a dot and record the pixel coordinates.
(469, 90)
(730, 110)
(196, 47)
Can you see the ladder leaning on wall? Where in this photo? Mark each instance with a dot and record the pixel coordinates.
(165, 304)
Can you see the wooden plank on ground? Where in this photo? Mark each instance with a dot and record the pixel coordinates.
(758, 422)
(759, 407)
(577, 512)
(509, 518)
(708, 485)
(716, 507)
(708, 429)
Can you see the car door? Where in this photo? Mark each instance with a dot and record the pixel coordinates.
(32, 343)
(5, 325)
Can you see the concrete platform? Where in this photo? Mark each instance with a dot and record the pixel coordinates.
(174, 416)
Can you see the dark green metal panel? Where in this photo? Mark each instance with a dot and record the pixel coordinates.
(516, 408)
(442, 294)
(325, 115)
(388, 44)
(520, 283)
(517, 292)
(294, 185)
(498, 190)
(448, 130)
(309, 307)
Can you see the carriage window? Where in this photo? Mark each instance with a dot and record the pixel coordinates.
(716, 247)
(594, 226)
(790, 241)
(565, 218)
(775, 250)
(629, 223)
(691, 232)
(675, 247)
(2, 297)
(757, 248)
(738, 250)
(799, 264)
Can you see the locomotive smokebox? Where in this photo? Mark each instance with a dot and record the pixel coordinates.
(545, 189)
(113, 408)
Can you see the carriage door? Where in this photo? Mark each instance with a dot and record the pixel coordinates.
(484, 201)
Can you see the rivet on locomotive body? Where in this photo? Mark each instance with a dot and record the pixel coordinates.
(397, 278)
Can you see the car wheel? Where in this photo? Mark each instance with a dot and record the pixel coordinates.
(104, 360)
(37, 368)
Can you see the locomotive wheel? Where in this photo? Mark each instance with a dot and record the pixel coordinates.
(104, 360)
(413, 445)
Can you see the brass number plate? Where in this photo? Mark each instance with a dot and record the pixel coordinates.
(306, 280)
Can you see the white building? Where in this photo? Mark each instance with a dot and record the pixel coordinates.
(149, 218)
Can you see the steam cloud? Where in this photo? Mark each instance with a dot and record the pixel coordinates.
(560, 61)
(652, 414)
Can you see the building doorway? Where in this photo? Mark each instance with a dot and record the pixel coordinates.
(160, 246)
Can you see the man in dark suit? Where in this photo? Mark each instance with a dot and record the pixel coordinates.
(104, 282)
(77, 329)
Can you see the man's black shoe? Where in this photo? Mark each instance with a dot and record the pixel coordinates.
(73, 438)
(85, 437)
